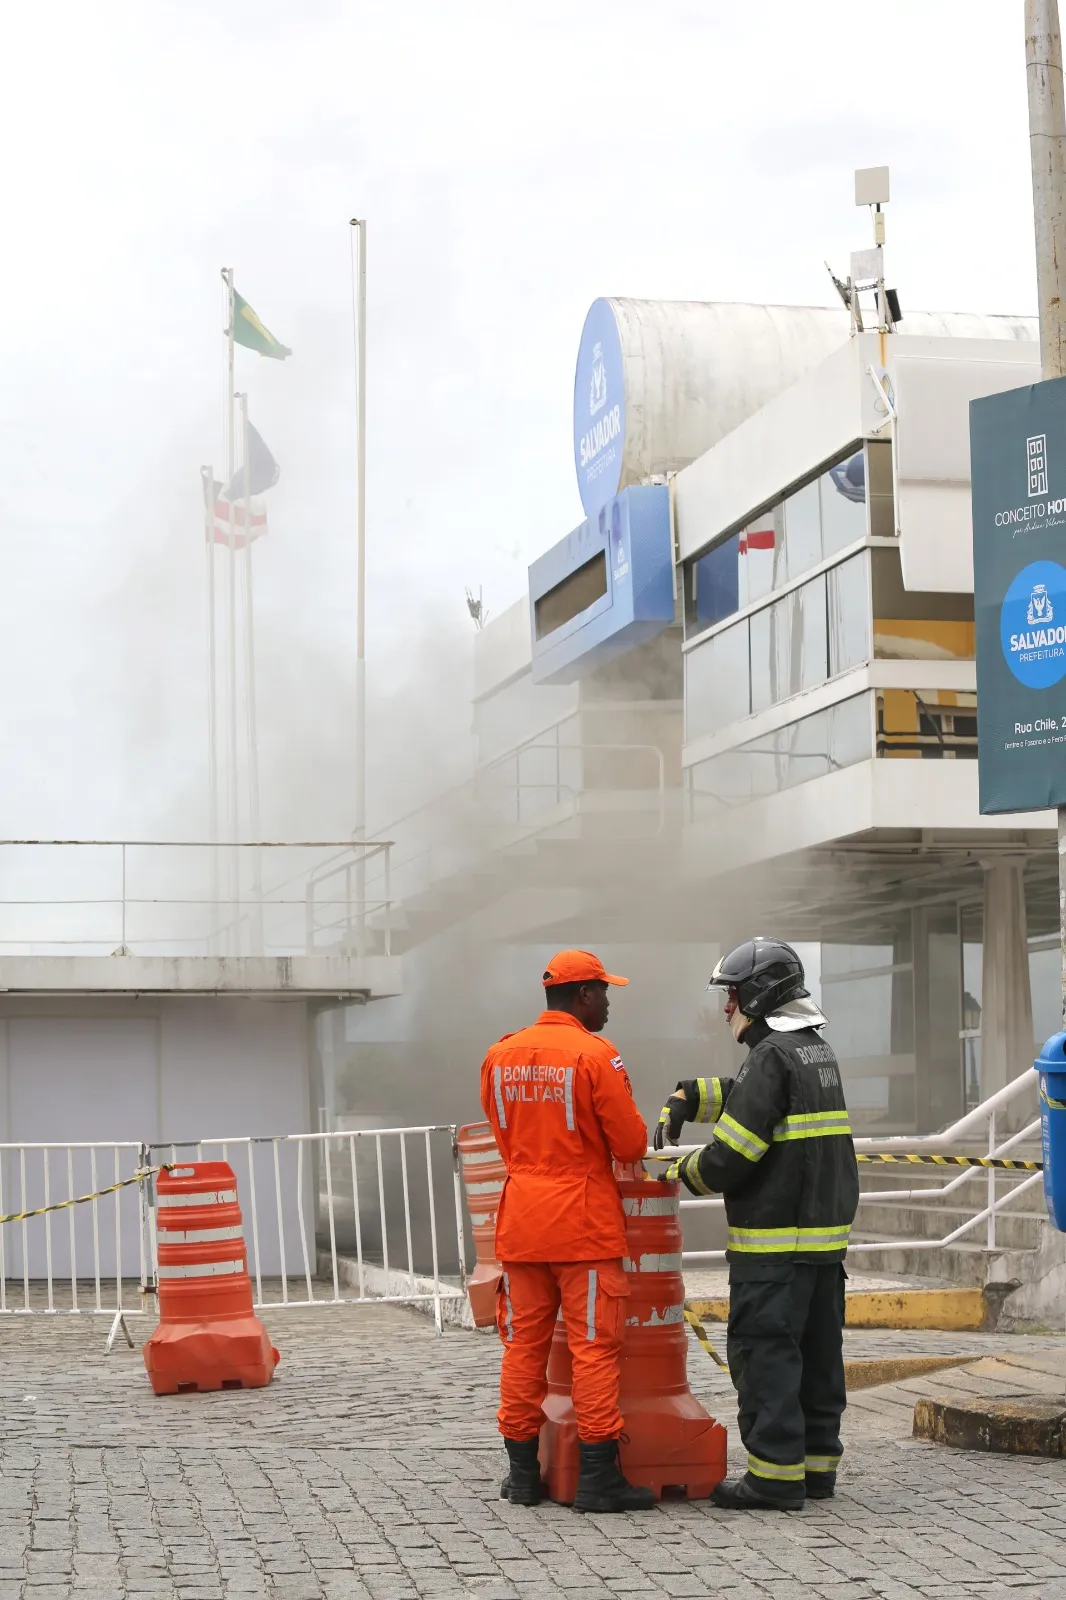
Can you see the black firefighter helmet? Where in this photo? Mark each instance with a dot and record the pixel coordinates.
(763, 973)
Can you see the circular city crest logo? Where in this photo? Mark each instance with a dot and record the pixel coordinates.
(1032, 625)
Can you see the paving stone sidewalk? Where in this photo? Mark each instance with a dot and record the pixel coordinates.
(371, 1467)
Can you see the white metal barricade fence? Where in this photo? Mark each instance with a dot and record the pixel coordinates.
(359, 1217)
(367, 1215)
(62, 1252)
(371, 1215)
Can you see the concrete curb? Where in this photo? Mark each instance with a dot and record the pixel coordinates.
(379, 1284)
(872, 1373)
(1030, 1425)
(943, 1310)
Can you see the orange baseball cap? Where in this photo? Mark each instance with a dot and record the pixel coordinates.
(579, 966)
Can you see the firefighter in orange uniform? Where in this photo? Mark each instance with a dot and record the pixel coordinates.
(562, 1110)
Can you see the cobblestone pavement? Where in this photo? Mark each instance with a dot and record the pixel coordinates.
(370, 1467)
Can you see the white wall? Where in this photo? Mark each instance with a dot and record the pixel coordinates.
(934, 381)
(107, 1071)
(234, 1066)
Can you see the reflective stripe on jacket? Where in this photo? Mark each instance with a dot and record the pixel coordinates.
(562, 1110)
(782, 1152)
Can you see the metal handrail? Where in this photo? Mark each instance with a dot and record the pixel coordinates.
(958, 1132)
(398, 864)
(574, 793)
(228, 911)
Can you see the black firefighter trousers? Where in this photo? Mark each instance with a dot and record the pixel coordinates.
(786, 1360)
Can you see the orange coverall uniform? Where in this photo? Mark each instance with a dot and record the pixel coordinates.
(561, 1107)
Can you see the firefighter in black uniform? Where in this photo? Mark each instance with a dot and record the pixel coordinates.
(782, 1155)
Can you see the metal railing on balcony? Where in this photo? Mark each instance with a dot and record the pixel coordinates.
(538, 790)
(172, 898)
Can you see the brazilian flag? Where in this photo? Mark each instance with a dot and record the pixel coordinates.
(248, 330)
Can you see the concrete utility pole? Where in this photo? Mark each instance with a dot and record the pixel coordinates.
(1047, 145)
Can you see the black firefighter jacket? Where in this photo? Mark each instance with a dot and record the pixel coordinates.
(781, 1153)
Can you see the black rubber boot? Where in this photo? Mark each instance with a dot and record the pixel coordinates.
(740, 1496)
(601, 1485)
(522, 1484)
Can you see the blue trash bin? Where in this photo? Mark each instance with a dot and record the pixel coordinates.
(1051, 1065)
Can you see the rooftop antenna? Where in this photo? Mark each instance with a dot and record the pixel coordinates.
(476, 607)
(868, 266)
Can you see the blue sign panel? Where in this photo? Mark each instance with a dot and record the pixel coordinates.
(599, 408)
(1018, 477)
(605, 588)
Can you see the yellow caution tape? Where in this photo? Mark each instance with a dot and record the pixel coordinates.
(61, 1205)
(701, 1334)
(934, 1161)
(962, 1161)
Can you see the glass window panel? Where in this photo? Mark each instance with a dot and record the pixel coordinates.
(788, 646)
(716, 682)
(574, 594)
(805, 749)
(762, 676)
(871, 1016)
(803, 541)
(879, 480)
(764, 776)
(842, 492)
(781, 648)
(716, 583)
(726, 781)
(851, 734)
(871, 1023)
(809, 652)
(1045, 983)
(838, 960)
(761, 552)
(849, 615)
(917, 625)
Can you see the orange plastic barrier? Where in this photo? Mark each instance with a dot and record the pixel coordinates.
(208, 1335)
(483, 1176)
(670, 1443)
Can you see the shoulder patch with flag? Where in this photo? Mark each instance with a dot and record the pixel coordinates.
(249, 331)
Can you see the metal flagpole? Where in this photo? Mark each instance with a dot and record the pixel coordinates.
(359, 310)
(249, 692)
(231, 459)
(1047, 148)
(207, 475)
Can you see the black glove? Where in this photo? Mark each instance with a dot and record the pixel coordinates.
(681, 1107)
(678, 1168)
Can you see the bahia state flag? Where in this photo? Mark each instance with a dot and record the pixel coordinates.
(248, 330)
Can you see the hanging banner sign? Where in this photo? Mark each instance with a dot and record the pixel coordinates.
(1018, 481)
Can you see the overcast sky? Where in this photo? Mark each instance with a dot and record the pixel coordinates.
(514, 162)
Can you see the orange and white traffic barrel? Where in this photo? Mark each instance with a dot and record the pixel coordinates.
(671, 1443)
(208, 1335)
(483, 1174)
